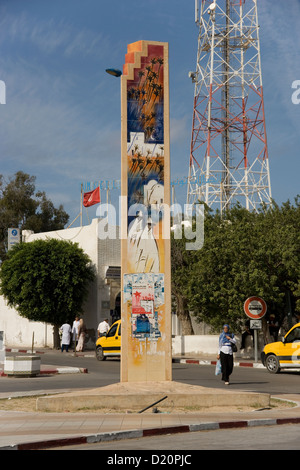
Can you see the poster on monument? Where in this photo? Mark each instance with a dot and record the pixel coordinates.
(145, 293)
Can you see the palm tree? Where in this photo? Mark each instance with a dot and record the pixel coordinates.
(148, 161)
(138, 196)
(133, 162)
(140, 74)
(153, 61)
(160, 62)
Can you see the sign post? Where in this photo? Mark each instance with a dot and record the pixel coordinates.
(255, 308)
(13, 237)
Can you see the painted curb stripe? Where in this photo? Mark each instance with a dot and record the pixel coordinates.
(166, 430)
(213, 363)
(137, 433)
(52, 443)
(288, 420)
(233, 424)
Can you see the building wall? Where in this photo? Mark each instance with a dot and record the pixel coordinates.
(19, 331)
(109, 254)
(207, 344)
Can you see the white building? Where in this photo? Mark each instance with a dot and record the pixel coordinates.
(104, 295)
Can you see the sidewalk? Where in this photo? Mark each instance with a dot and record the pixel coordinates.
(38, 430)
(26, 431)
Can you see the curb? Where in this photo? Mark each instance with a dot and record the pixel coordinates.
(24, 351)
(64, 370)
(255, 365)
(59, 370)
(138, 433)
(30, 351)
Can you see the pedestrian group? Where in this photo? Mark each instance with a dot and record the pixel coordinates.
(77, 332)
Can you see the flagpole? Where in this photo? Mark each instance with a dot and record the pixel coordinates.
(81, 206)
(107, 199)
(73, 221)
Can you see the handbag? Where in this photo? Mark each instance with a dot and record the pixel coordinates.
(218, 367)
(233, 345)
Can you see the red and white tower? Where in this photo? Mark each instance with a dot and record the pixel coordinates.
(229, 154)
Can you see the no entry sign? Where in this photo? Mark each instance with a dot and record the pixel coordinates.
(255, 308)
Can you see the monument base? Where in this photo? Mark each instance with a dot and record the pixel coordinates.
(135, 397)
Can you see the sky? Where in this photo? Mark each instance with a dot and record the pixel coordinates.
(61, 119)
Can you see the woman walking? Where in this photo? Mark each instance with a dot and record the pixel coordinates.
(225, 354)
(81, 335)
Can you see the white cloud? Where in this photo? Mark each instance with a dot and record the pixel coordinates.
(281, 38)
(56, 136)
(179, 129)
(50, 122)
(51, 37)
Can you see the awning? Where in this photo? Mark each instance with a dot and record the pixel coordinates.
(113, 272)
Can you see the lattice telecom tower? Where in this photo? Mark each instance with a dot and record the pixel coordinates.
(229, 156)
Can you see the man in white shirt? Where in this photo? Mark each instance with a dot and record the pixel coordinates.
(66, 336)
(103, 328)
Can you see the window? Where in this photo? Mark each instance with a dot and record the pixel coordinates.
(293, 336)
(112, 331)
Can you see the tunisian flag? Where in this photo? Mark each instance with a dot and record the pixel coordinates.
(91, 198)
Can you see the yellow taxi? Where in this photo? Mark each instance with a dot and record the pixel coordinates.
(284, 354)
(110, 344)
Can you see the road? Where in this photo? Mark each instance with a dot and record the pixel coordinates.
(108, 372)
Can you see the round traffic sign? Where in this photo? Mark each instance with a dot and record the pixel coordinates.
(255, 307)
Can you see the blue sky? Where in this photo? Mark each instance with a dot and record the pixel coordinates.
(61, 120)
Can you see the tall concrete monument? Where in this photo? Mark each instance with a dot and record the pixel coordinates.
(145, 189)
(146, 347)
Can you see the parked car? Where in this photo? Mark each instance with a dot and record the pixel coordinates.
(284, 354)
(110, 344)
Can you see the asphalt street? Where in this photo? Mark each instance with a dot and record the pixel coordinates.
(107, 372)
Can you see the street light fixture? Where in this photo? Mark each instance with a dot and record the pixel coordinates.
(114, 72)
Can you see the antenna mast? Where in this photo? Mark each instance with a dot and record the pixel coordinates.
(229, 156)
